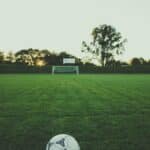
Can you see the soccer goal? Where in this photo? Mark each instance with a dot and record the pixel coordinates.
(67, 67)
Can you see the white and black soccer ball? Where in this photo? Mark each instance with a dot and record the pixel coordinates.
(62, 142)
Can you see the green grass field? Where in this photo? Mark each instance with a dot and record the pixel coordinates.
(103, 112)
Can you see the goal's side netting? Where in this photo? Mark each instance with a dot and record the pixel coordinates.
(65, 69)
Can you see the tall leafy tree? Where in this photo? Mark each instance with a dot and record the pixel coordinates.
(106, 43)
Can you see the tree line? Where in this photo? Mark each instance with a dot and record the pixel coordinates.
(106, 44)
(36, 57)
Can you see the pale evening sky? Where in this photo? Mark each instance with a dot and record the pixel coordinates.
(62, 25)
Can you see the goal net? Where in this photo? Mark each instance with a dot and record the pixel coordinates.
(65, 69)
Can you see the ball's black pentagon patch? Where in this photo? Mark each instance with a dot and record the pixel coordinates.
(61, 142)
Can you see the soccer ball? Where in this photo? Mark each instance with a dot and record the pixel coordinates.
(62, 142)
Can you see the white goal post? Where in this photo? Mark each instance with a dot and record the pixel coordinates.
(65, 69)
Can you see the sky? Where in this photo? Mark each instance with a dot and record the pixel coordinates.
(62, 25)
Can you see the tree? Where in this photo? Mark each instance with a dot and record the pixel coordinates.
(106, 43)
(27, 56)
(143, 61)
(44, 53)
(1, 56)
(148, 62)
(135, 62)
(10, 57)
